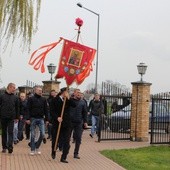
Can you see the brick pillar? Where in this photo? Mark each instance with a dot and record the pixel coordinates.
(51, 85)
(140, 111)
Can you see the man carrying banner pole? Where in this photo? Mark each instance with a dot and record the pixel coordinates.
(61, 124)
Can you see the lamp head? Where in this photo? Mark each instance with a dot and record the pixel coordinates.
(142, 69)
(51, 68)
(80, 5)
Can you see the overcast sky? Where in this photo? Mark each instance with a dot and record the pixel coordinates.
(131, 31)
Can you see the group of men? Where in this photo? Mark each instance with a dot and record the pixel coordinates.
(66, 114)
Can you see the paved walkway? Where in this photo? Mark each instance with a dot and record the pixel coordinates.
(91, 159)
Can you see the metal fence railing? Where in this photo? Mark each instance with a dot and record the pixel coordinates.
(160, 119)
(115, 123)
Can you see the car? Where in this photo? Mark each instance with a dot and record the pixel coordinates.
(160, 119)
(120, 120)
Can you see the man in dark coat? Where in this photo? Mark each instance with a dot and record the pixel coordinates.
(56, 119)
(78, 116)
(49, 100)
(38, 110)
(9, 112)
(96, 108)
(23, 115)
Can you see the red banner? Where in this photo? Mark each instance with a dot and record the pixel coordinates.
(37, 60)
(75, 62)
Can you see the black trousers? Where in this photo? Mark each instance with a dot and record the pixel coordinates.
(7, 133)
(27, 130)
(49, 126)
(78, 129)
(20, 129)
(64, 139)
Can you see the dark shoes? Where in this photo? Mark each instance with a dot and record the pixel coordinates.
(16, 141)
(53, 154)
(60, 149)
(91, 135)
(76, 156)
(10, 150)
(44, 140)
(29, 144)
(3, 150)
(20, 139)
(48, 137)
(63, 161)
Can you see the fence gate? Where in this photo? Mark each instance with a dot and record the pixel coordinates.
(160, 119)
(114, 124)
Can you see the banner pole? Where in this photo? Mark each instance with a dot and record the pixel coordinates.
(78, 35)
(59, 126)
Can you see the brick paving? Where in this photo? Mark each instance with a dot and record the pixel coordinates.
(90, 159)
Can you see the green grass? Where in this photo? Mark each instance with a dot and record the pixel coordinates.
(146, 158)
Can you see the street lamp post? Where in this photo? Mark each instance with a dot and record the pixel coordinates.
(97, 57)
(51, 69)
(142, 69)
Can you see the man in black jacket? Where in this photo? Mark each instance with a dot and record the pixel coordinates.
(95, 109)
(9, 112)
(64, 121)
(37, 108)
(78, 116)
(23, 115)
(49, 100)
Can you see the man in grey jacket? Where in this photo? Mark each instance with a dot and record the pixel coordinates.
(9, 112)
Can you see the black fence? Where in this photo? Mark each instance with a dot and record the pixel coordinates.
(160, 119)
(115, 123)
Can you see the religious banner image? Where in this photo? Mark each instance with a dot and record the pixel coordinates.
(75, 59)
